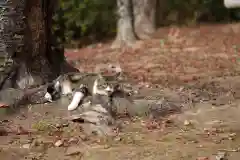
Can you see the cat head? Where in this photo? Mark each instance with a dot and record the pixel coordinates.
(104, 85)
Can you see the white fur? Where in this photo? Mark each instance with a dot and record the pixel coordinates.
(77, 97)
(96, 90)
(66, 88)
(109, 89)
(57, 86)
(48, 97)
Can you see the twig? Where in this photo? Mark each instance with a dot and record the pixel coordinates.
(230, 150)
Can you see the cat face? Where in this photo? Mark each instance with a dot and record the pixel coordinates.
(104, 85)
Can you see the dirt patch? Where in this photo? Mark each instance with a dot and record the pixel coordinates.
(204, 130)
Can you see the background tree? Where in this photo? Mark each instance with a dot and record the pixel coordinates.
(136, 19)
(144, 12)
(125, 29)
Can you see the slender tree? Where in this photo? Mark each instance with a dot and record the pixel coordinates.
(125, 33)
(136, 19)
(144, 17)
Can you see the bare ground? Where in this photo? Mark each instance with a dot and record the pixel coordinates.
(201, 63)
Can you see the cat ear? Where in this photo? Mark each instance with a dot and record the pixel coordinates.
(100, 76)
(118, 74)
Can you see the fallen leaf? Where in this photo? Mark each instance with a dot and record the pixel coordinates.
(187, 123)
(26, 146)
(202, 158)
(4, 105)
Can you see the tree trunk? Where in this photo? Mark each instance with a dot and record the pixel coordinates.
(8, 42)
(30, 55)
(136, 20)
(144, 17)
(125, 33)
(37, 63)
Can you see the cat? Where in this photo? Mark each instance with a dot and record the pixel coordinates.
(95, 83)
(67, 84)
(79, 86)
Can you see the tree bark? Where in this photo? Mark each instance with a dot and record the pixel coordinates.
(36, 62)
(125, 33)
(136, 20)
(8, 44)
(144, 17)
(30, 55)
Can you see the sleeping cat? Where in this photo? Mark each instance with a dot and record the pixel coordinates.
(66, 85)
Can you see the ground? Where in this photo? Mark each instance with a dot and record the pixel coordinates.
(200, 63)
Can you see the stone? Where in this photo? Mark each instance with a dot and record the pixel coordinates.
(187, 123)
(73, 140)
(73, 150)
(58, 143)
(221, 156)
(26, 146)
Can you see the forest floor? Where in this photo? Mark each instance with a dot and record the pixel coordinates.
(200, 62)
